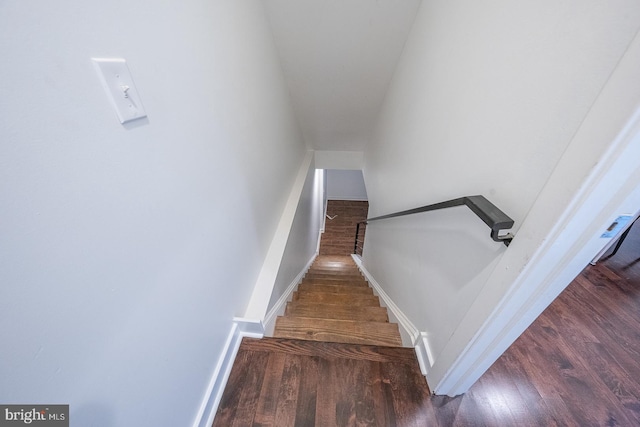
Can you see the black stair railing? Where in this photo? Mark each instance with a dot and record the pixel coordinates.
(483, 208)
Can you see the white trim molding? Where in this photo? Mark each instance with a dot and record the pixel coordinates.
(424, 354)
(258, 304)
(411, 336)
(280, 305)
(239, 329)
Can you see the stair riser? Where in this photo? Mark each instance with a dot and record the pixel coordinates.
(363, 290)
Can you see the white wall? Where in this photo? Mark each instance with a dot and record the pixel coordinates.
(434, 266)
(487, 96)
(345, 185)
(303, 239)
(126, 251)
(485, 100)
(338, 159)
(596, 180)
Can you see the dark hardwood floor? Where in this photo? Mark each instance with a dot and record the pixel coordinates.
(283, 382)
(578, 364)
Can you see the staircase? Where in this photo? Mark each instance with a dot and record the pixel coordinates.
(334, 360)
(335, 304)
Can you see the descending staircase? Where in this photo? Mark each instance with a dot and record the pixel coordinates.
(334, 360)
(334, 303)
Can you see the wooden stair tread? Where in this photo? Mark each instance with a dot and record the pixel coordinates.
(342, 331)
(355, 277)
(336, 282)
(331, 350)
(336, 311)
(346, 271)
(337, 298)
(349, 289)
(331, 279)
(334, 304)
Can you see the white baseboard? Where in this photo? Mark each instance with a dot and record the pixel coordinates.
(411, 336)
(424, 354)
(280, 305)
(241, 328)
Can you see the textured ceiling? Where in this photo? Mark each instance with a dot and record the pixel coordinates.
(338, 57)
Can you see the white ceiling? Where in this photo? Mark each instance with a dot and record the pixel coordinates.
(338, 57)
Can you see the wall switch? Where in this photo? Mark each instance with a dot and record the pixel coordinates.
(116, 80)
(616, 226)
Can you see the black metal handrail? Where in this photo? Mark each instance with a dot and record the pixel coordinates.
(483, 208)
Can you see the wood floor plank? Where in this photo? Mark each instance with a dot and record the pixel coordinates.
(466, 412)
(537, 371)
(289, 391)
(498, 402)
(619, 382)
(248, 402)
(577, 382)
(611, 296)
(238, 408)
(381, 394)
(328, 393)
(363, 396)
(567, 385)
(308, 391)
(345, 386)
(510, 395)
(268, 399)
(411, 400)
(226, 412)
(483, 415)
(539, 413)
(620, 336)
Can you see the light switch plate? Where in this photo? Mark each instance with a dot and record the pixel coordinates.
(118, 83)
(616, 226)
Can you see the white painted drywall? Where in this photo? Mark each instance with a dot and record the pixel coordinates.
(485, 100)
(303, 239)
(345, 185)
(126, 251)
(338, 57)
(596, 180)
(486, 97)
(439, 277)
(339, 159)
